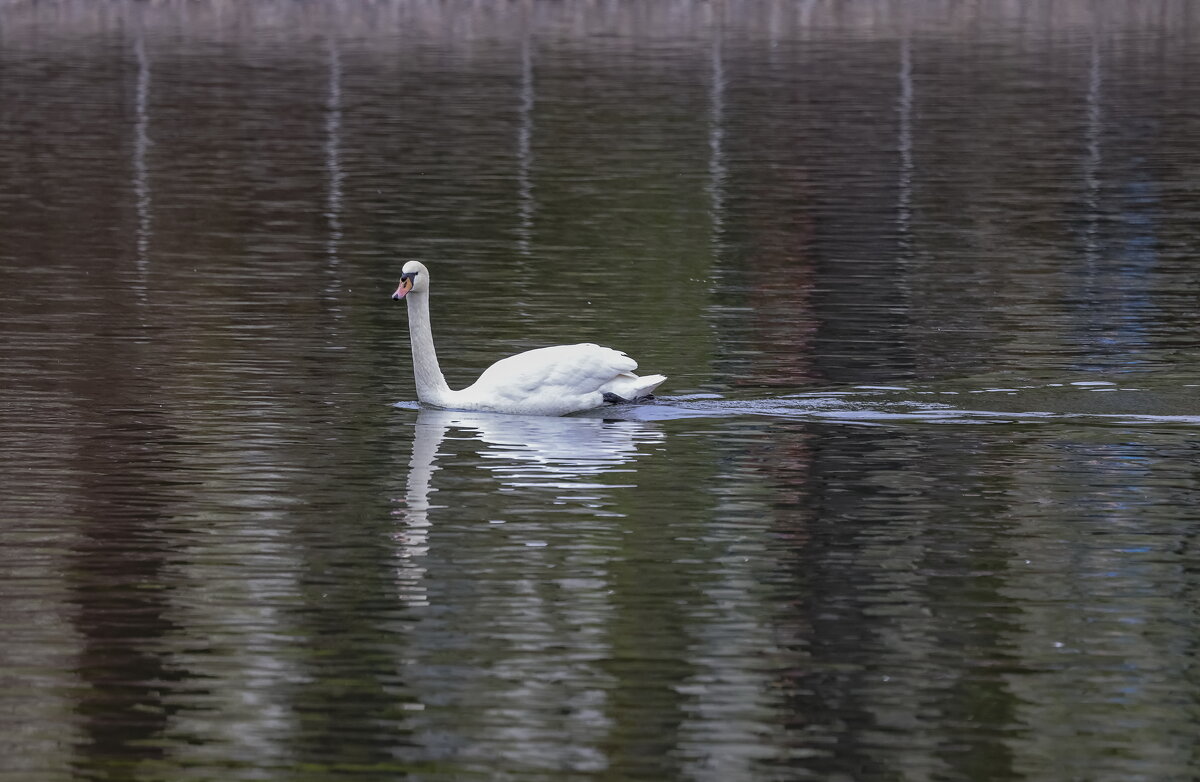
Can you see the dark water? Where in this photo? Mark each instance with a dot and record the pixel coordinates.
(917, 502)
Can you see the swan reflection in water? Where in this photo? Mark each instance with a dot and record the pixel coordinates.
(521, 452)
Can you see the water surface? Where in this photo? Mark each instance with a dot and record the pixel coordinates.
(916, 502)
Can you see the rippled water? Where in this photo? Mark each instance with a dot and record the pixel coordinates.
(917, 502)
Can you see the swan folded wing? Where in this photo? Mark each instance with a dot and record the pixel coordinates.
(550, 381)
(566, 369)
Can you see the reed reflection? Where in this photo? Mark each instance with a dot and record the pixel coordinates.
(141, 174)
(334, 175)
(525, 199)
(717, 170)
(904, 144)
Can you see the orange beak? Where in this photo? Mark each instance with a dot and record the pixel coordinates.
(402, 291)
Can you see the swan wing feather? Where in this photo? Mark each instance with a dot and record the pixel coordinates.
(577, 368)
(562, 377)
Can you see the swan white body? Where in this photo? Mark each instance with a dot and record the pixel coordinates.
(547, 381)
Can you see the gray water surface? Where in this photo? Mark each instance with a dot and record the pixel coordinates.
(917, 502)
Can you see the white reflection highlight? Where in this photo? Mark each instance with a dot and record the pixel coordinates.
(554, 452)
(561, 454)
(716, 139)
(333, 159)
(1093, 159)
(412, 539)
(525, 203)
(141, 175)
(905, 143)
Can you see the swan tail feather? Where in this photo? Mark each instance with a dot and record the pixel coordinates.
(628, 387)
(647, 384)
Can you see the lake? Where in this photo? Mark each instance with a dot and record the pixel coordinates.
(917, 501)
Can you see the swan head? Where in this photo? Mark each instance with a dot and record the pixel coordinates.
(414, 278)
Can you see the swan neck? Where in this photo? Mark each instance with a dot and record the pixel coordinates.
(431, 383)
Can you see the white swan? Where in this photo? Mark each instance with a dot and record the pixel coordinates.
(546, 381)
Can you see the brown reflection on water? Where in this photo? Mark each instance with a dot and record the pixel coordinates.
(118, 572)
